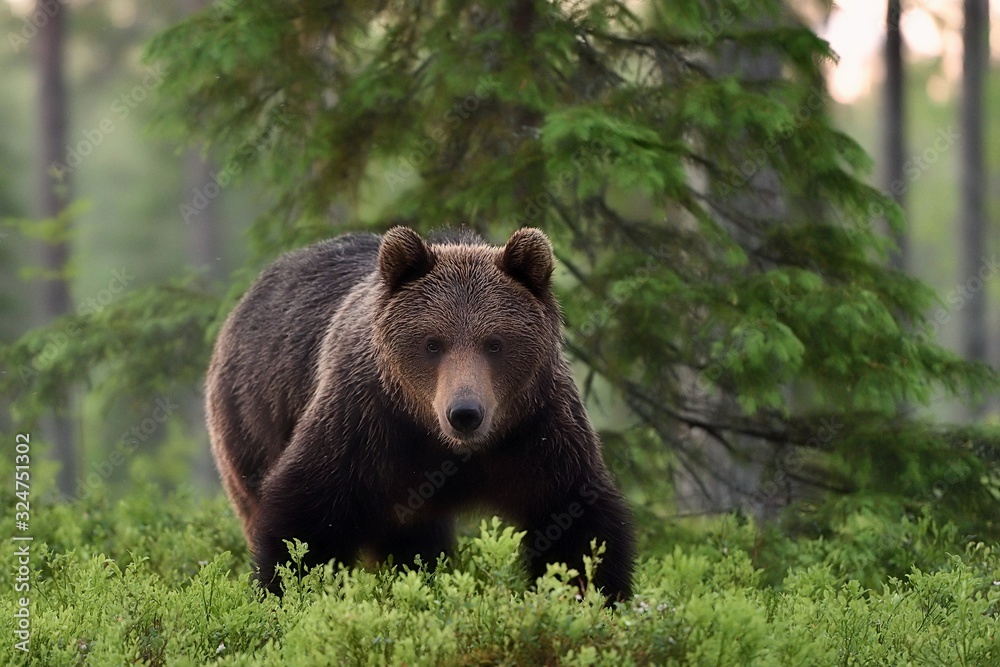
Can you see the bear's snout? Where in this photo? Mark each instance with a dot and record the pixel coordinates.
(464, 402)
(465, 415)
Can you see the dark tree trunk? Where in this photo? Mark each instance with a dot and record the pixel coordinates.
(201, 228)
(714, 476)
(203, 247)
(52, 197)
(975, 34)
(202, 237)
(894, 123)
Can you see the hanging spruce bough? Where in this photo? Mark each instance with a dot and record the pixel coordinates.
(721, 269)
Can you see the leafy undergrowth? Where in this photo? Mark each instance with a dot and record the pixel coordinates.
(175, 590)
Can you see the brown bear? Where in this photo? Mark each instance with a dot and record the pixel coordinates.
(366, 389)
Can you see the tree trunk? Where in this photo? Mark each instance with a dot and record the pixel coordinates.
(893, 123)
(53, 189)
(203, 243)
(203, 247)
(975, 32)
(714, 476)
(201, 228)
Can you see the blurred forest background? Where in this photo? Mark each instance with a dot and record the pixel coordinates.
(139, 195)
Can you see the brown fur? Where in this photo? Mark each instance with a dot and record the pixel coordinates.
(356, 372)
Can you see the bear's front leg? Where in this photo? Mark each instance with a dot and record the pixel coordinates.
(302, 501)
(561, 532)
(428, 539)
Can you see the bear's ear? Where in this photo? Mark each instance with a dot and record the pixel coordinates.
(403, 257)
(528, 258)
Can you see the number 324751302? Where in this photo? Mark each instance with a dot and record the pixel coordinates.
(22, 476)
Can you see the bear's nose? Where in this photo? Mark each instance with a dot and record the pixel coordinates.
(466, 416)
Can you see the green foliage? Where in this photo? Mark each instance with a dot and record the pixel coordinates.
(124, 347)
(166, 581)
(721, 270)
(717, 234)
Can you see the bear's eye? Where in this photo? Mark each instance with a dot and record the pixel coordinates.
(493, 346)
(433, 346)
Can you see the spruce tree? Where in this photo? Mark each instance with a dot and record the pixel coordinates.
(721, 269)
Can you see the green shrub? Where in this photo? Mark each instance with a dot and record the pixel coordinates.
(152, 580)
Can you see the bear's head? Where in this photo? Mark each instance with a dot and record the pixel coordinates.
(465, 332)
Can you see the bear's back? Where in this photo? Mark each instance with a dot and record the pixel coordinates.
(263, 371)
